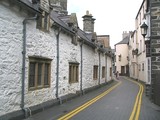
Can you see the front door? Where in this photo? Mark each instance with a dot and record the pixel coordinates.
(122, 70)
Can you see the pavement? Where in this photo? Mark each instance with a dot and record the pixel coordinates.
(116, 105)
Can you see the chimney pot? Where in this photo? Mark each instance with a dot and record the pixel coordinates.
(87, 12)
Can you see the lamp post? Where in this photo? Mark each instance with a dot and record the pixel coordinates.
(144, 28)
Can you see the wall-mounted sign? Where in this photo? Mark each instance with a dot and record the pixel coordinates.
(44, 5)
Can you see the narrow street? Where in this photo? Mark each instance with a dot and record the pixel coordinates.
(115, 101)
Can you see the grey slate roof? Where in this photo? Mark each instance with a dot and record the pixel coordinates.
(87, 40)
(124, 41)
(63, 22)
(55, 17)
(30, 5)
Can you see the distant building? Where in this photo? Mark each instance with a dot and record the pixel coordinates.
(121, 55)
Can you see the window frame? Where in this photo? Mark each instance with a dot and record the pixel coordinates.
(43, 22)
(142, 66)
(73, 72)
(95, 72)
(37, 61)
(103, 71)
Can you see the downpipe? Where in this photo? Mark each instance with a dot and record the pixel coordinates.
(26, 110)
(81, 81)
(99, 68)
(57, 32)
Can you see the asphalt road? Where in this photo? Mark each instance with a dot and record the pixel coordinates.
(110, 104)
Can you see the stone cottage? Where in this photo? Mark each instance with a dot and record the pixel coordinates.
(46, 56)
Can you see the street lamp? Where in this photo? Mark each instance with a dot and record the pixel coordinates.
(144, 29)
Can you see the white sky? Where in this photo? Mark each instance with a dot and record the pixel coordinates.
(112, 16)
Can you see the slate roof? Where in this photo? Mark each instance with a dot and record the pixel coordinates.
(86, 39)
(124, 41)
(30, 5)
(55, 17)
(63, 22)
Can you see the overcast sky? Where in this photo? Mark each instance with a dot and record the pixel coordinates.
(112, 17)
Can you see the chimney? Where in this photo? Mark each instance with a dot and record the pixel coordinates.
(125, 34)
(88, 22)
(59, 6)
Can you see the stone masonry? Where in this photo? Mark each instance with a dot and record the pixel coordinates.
(42, 44)
(155, 50)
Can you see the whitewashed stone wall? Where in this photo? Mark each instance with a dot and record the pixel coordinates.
(90, 59)
(109, 65)
(42, 44)
(10, 59)
(68, 53)
(38, 44)
(103, 63)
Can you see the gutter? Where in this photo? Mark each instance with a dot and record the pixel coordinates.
(24, 63)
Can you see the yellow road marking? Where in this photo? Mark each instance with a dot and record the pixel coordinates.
(82, 107)
(137, 106)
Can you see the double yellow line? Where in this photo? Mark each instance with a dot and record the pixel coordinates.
(82, 107)
(137, 105)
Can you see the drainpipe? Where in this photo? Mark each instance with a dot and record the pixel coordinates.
(99, 68)
(106, 70)
(57, 32)
(152, 83)
(81, 84)
(24, 61)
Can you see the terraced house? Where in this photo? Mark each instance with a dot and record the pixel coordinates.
(45, 56)
(144, 62)
(143, 48)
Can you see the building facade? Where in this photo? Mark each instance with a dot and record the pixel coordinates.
(155, 48)
(145, 48)
(45, 56)
(121, 55)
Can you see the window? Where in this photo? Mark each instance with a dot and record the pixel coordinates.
(103, 72)
(110, 71)
(133, 69)
(74, 39)
(142, 66)
(39, 73)
(43, 21)
(140, 46)
(73, 72)
(139, 67)
(119, 57)
(140, 18)
(95, 72)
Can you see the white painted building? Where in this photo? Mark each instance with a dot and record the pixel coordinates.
(57, 58)
(133, 51)
(139, 61)
(121, 55)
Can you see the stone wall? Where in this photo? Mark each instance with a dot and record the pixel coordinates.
(41, 44)
(10, 59)
(155, 47)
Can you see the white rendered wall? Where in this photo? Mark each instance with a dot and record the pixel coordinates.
(121, 49)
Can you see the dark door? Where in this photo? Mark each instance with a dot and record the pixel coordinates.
(127, 70)
(122, 70)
